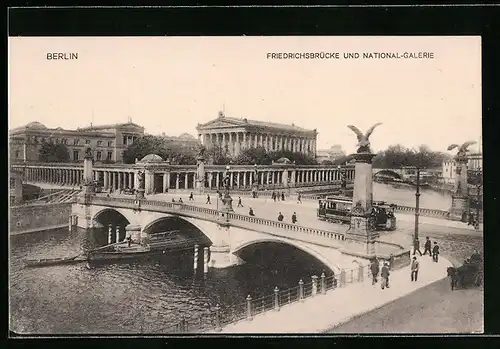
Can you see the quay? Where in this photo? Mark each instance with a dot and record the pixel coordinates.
(338, 305)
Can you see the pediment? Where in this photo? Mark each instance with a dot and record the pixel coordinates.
(219, 123)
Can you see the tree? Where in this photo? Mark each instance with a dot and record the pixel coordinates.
(396, 156)
(166, 148)
(50, 152)
(254, 155)
(218, 155)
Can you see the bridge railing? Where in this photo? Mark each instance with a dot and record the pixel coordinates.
(427, 212)
(213, 214)
(220, 316)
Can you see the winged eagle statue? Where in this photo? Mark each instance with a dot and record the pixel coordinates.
(462, 149)
(363, 139)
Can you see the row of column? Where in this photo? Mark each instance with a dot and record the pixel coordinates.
(118, 179)
(245, 179)
(237, 141)
(59, 176)
(115, 180)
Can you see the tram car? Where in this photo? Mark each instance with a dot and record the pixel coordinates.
(338, 210)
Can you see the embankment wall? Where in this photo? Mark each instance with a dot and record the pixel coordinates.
(30, 218)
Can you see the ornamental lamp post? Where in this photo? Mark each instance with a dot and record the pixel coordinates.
(416, 243)
(227, 201)
(477, 179)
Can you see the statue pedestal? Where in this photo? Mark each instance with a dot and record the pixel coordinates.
(227, 203)
(361, 237)
(139, 194)
(459, 206)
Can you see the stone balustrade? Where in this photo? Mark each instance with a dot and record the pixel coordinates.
(239, 220)
(427, 212)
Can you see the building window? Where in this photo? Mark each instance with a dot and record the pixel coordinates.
(99, 143)
(76, 155)
(98, 156)
(64, 141)
(87, 141)
(110, 155)
(35, 139)
(76, 141)
(57, 140)
(17, 154)
(110, 144)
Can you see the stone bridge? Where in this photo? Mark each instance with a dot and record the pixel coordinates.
(229, 233)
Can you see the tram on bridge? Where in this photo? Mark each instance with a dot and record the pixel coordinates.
(338, 210)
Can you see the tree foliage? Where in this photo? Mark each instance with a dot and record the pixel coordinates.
(166, 148)
(396, 156)
(50, 152)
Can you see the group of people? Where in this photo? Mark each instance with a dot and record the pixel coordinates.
(276, 196)
(434, 253)
(294, 217)
(384, 273)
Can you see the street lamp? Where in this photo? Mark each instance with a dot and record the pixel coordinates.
(416, 243)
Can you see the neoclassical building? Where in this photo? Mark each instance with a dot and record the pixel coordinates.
(108, 141)
(238, 134)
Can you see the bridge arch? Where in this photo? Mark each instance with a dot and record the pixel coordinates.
(121, 213)
(188, 222)
(334, 267)
(387, 173)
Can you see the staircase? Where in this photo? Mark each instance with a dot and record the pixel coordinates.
(61, 196)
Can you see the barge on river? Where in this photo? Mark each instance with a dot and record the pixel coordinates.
(159, 244)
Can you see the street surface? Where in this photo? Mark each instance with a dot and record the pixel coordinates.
(431, 309)
(323, 312)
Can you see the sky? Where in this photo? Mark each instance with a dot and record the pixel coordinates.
(170, 84)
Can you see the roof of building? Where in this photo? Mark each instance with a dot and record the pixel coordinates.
(283, 161)
(223, 120)
(36, 125)
(110, 126)
(152, 158)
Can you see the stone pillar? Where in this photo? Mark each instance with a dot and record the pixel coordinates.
(149, 182)
(134, 231)
(200, 174)
(165, 182)
(117, 233)
(206, 259)
(244, 179)
(186, 179)
(110, 234)
(177, 176)
(120, 183)
(131, 180)
(314, 285)
(284, 178)
(362, 231)
(460, 197)
(195, 258)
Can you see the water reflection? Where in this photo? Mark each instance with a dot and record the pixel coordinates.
(132, 297)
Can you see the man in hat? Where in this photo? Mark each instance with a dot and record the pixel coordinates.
(414, 269)
(385, 275)
(427, 246)
(374, 268)
(435, 252)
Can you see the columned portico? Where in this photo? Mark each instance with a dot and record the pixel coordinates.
(238, 134)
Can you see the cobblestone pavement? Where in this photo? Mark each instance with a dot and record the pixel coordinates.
(431, 309)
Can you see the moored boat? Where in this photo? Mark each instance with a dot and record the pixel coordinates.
(52, 261)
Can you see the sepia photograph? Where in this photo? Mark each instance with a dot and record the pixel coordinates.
(245, 185)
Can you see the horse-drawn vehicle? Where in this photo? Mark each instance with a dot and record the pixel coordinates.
(470, 273)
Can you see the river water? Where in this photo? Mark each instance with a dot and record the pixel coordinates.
(148, 296)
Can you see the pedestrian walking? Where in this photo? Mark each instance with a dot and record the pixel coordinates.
(180, 200)
(385, 273)
(191, 198)
(273, 195)
(299, 198)
(427, 246)
(294, 218)
(173, 200)
(416, 247)
(414, 269)
(375, 269)
(280, 217)
(282, 196)
(239, 202)
(208, 199)
(250, 212)
(435, 252)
